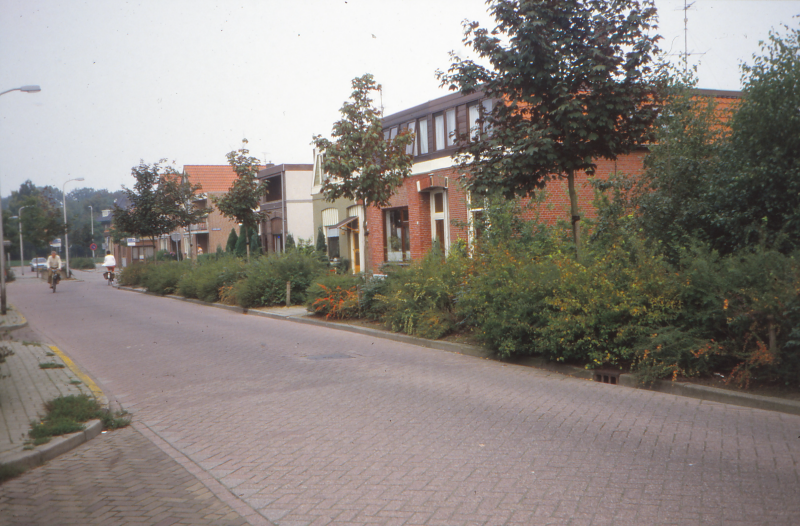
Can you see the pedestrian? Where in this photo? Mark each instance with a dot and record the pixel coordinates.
(199, 251)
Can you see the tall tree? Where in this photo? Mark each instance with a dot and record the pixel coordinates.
(359, 164)
(572, 82)
(756, 196)
(41, 218)
(242, 202)
(160, 201)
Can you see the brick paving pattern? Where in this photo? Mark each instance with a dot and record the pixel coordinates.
(309, 426)
(118, 478)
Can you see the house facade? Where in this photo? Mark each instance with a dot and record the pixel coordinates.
(288, 205)
(432, 206)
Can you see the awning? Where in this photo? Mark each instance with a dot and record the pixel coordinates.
(347, 221)
(432, 182)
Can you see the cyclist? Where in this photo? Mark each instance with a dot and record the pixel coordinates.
(110, 262)
(54, 264)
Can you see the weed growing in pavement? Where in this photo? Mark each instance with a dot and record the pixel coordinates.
(5, 352)
(67, 414)
(48, 353)
(51, 365)
(9, 472)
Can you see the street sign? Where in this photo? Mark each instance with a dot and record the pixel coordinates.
(93, 246)
(56, 243)
(175, 236)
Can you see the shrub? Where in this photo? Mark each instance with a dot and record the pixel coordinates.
(131, 276)
(82, 263)
(334, 295)
(264, 282)
(208, 276)
(418, 300)
(163, 278)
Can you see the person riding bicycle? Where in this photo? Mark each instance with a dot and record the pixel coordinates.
(109, 262)
(54, 264)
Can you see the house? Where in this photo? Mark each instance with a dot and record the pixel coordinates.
(432, 205)
(211, 234)
(288, 205)
(341, 222)
(128, 250)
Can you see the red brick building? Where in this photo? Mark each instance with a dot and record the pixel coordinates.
(432, 205)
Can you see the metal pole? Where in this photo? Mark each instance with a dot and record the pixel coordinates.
(64, 206)
(91, 219)
(2, 264)
(21, 257)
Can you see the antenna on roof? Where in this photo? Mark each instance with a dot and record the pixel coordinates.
(686, 7)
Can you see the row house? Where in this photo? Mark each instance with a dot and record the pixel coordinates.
(287, 205)
(432, 205)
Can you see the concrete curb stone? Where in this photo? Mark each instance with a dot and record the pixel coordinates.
(711, 394)
(57, 446)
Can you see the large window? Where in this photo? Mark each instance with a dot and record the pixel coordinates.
(477, 217)
(475, 112)
(422, 136)
(445, 129)
(411, 149)
(397, 245)
(439, 230)
(274, 190)
(330, 217)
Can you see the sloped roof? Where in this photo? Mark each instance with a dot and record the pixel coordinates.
(214, 178)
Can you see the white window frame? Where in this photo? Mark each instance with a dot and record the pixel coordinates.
(443, 216)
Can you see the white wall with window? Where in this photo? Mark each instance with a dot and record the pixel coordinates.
(440, 225)
(397, 244)
(330, 217)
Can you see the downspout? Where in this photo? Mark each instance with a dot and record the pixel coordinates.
(283, 210)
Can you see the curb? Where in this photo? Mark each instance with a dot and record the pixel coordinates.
(57, 446)
(700, 392)
(21, 324)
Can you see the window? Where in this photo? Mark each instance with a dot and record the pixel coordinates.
(330, 217)
(423, 136)
(390, 134)
(411, 149)
(397, 245)
(439, 231)
(476, 111)
(273, 189)
(319, 174)
(445, 129)
(477, 217)
(438, 128)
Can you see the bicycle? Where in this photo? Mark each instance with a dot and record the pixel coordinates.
(110, 276)
(55, 277)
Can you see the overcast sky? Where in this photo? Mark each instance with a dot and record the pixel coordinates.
(186, 80)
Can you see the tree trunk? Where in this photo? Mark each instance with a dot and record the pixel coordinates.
(574, 212)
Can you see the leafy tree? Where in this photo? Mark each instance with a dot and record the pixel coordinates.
(242, 202)
(290, 244)
(41, 218)
(755, 197)
(359, 163)
(572, 82)
(230, 247)
(160, 201)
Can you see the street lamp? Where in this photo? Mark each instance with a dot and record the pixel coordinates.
(64, 206)
(91, 222)
(21, 258)
(26, 89)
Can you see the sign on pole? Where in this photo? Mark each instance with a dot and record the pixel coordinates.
(93, 246)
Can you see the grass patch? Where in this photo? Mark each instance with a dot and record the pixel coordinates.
(67, 414)
(51, 365)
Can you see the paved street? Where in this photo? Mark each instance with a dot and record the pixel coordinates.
(292, 424)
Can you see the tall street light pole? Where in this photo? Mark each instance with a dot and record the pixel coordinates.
(64, 206)
(21, 257)
(91, 222)
(26, 89)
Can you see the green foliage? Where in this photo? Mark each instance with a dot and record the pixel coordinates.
(241, 242)
(419, 299)
(255, 244)
(233, 239)
(131, 276)
(576, 82)
(82, 263)
(334, 296)
(163, 278)
(208, 276)
(67, 414)
(264, 281)
(321, 245)
(755, 199)
(242, 201)
(359, 164)
(290, 244)
(40, 211)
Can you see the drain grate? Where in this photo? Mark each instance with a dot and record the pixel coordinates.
(329, 357)
(607, 377)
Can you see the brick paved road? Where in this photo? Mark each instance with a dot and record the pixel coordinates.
(311, 426)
